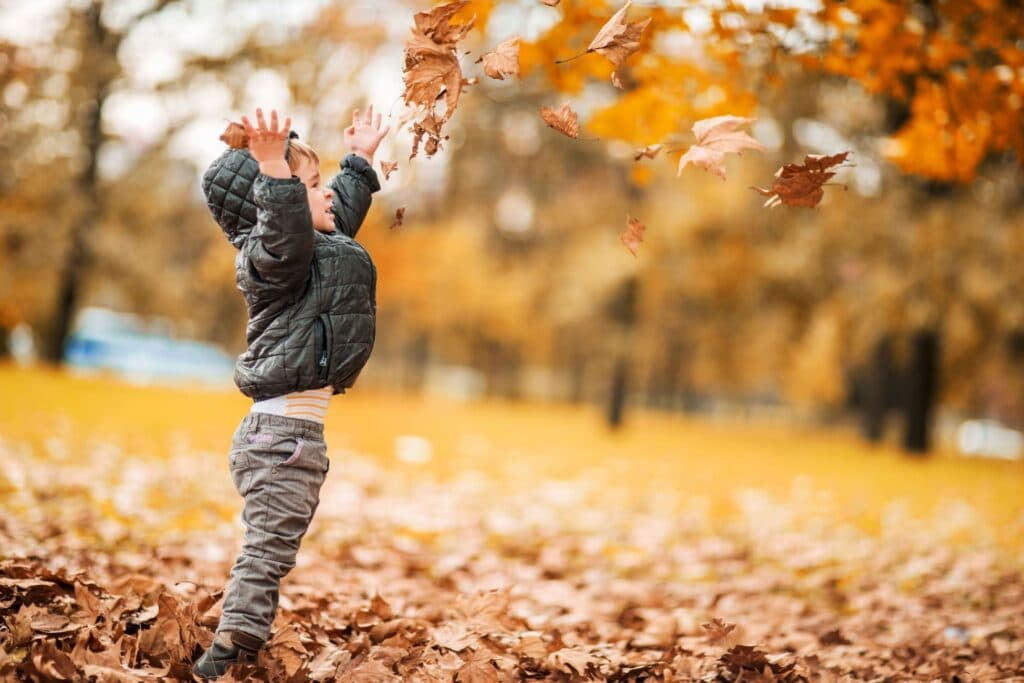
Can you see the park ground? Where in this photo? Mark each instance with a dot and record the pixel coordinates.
(501, 541)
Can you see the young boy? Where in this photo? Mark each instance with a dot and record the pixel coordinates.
(310, 289)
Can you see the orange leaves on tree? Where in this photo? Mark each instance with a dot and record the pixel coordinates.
(801, 184)
(716, 137)
(564, 120)
(633, 235)
(503, 61)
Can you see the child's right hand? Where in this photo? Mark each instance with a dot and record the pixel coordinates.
(267, 145)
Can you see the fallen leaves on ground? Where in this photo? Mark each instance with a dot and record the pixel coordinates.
(403, 577)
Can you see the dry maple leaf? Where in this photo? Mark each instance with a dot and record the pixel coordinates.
(235, 136)
(479, 668)
(633, 235)
(717, 137)
(564, 120)
(800, 184)
(432, 72)
(503, 61)
(617, 40)
(717, 629)
(399, 215)
(388, 167)
(648, 152)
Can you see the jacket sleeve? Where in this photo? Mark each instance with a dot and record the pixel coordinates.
(280, 247)
(352, 189)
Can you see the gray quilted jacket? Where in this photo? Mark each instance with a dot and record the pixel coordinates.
(311, 296)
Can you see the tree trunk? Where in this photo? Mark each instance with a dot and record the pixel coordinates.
(921, 391)
(99, 50)
(617, 400)
(876, 391)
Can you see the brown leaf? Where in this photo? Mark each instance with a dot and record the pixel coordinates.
(388, 167)
(801, 184)
(717, 629)
(573, 661)
(432, 71)
(235, 136)
(648, 152)
(51, 663)
(617, 40)
(717, 137)
(564, 120)
(53, 624)
(287, 648)
(633, 235)
(479, 668)
(399, 215)
(503, 61)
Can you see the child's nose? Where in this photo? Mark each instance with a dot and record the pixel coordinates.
(328, 195)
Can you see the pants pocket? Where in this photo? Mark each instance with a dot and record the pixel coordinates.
(241, 471)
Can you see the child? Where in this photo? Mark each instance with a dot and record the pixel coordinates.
(310, 289)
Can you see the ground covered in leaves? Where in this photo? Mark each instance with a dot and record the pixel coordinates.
(112, 563)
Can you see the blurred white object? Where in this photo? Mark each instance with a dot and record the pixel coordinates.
(414, 450)
(455, 381)
(22, 345)
(988, 438)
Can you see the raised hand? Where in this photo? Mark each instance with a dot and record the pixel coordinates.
(267, 144)
(365, 133)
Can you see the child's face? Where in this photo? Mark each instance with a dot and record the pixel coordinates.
(319, 198)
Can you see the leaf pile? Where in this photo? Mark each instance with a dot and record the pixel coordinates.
(405, 578)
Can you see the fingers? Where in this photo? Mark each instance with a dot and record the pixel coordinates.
(247, 124)
(376, 122)
(355, 118)
(384, 132)
(287, 125)
(369, 115)
(273, 120)
(260, 121)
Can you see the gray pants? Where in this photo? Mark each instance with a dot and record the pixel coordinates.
(278, 465)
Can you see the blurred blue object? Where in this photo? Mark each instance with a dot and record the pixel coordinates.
(139, 352)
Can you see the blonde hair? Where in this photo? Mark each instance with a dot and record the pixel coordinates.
(300, 152)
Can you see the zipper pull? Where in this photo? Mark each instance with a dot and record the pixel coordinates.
(323, 359)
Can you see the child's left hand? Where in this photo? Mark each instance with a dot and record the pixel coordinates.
(365, 133)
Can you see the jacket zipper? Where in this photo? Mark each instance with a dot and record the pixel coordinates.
(322, 361)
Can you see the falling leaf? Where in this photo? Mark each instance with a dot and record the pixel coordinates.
(235, 136)
(431, 71)
(399, 215)
(633, 235)
(801, 184)
(388, 167)
(648, 152)
(617, 40)
(563, 120)
(503, 61)
(717, 137)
